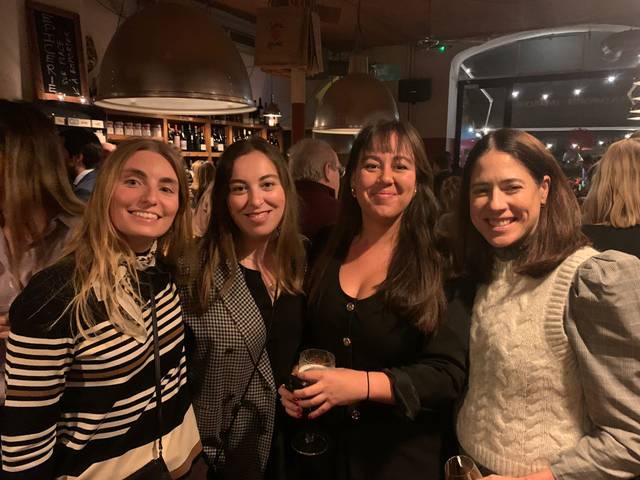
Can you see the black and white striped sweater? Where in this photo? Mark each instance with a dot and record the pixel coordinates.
(85, 407)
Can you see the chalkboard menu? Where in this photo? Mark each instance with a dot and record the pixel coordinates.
(56, 53)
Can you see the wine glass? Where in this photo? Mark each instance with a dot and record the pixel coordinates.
(309, 442)
(461, 467)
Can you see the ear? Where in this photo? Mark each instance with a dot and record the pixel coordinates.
(545, 185)
(325, 171)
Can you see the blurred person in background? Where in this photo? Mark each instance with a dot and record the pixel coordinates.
(38, 208)
(202, 198)
(316, 169)
(84, 154)
(612, 208)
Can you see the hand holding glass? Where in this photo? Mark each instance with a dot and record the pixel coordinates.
(307, 442)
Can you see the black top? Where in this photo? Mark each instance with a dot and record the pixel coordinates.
(606, 237)
(408, 440)
(284, 322)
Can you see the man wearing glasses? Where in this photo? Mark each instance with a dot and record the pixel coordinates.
(316, 169)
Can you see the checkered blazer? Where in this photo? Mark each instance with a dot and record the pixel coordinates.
(224, 345)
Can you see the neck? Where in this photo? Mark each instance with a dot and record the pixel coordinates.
(377, 232)
(253, 250)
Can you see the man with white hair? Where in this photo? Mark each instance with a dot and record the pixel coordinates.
(316, 169)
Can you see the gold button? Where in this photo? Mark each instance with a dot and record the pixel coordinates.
(355, 414)
(350, 307)
(346, 341)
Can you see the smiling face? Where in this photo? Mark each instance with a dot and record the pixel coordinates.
(145, 199)
(256, 198)
(385, 182)
(504, 199)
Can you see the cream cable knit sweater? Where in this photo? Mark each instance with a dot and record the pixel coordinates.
(524, 405)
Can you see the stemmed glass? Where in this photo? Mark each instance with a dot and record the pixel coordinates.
(309, 442)
(461, 467)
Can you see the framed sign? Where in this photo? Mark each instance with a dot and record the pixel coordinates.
(57, 58)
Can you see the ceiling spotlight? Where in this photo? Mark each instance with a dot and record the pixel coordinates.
(628, 135)
(574, 145)
(577, 92)
(611, 78)
(515, 93)
(486, 130)
(478, 135)
(549, 146)
(470, 130)
(545, 96)
(600, 142)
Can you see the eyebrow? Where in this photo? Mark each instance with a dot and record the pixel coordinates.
(506, 180)
(395, 157)
(264, 177)
(141, 174)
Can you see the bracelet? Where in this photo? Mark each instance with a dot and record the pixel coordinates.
(367, 385)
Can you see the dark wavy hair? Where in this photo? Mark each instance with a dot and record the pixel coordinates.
(414, 282)
(218, 245)
(558, 233)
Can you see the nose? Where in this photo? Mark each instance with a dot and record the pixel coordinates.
(149, 196)
(256, 198)
(497, 200)
(386, 174)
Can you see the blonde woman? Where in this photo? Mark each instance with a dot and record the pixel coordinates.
(612, 207)
(37, 206)
(81, 380)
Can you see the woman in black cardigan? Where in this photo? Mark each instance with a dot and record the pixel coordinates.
(377, 301)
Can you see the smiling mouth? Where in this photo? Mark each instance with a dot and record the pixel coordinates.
(258, 215)
(501, 222)
(145, 215)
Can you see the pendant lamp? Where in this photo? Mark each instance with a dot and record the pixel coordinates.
(173, 59)
(353, 101)
(272, 113)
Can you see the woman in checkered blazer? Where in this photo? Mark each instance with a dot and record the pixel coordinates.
(244, 320)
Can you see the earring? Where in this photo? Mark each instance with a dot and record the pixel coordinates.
(353, 191)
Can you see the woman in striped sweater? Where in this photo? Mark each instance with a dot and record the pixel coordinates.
(81, 381)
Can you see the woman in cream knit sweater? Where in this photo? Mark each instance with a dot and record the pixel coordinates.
(554, 381)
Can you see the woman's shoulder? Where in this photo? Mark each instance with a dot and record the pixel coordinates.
(44, 299)
(611, 274)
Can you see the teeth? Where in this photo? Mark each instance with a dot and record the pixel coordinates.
(500, 223)
(147, 215)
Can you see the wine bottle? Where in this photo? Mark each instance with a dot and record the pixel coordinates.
(170, 134)
(183, 140)
(259, 111)
(176, 137)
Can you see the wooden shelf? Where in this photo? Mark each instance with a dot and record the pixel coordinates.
(194, 154)
(122, 138)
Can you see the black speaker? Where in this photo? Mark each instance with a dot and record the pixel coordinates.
(412, 90)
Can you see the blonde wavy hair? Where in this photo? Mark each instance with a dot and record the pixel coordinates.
(100, 251)
(614, 196)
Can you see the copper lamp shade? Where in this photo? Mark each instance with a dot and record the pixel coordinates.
(352, 102)
(174, 59)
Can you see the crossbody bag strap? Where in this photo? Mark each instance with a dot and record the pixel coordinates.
(224, 435)
(158, 371)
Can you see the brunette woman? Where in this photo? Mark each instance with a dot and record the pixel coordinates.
(81, 375)
(38, 208)
(554, 370)
(377, 303)
(245, 320)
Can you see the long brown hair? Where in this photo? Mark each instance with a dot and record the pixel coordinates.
(99, 250)
(557, 234)
(218, 245)
(413, 286)
(614, 195)
(33, 175)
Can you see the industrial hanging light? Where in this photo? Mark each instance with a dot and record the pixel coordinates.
(272, 113)
(197, 70)
(354, 100)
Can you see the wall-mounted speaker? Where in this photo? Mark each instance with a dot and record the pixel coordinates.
(413, 90)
